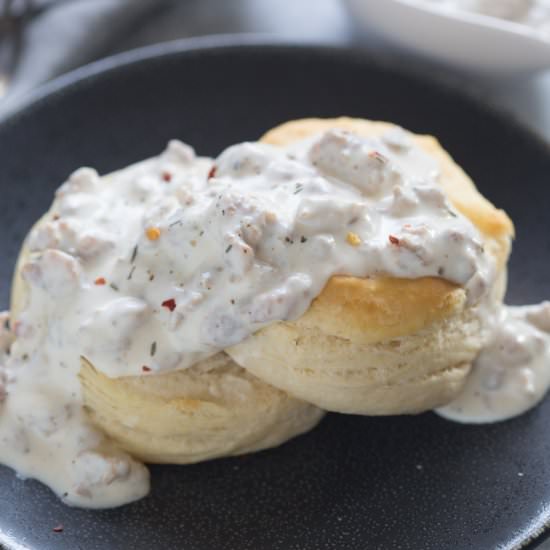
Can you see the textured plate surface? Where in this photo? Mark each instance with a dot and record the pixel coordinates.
(353, 483)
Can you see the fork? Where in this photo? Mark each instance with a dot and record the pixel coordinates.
(13, 14)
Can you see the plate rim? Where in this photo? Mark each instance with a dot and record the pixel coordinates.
(392, 61)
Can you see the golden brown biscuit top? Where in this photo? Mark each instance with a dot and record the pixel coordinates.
(380, 308)
(460, 189)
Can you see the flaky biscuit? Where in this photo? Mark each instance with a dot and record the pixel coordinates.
(213, 409)
(381, 345)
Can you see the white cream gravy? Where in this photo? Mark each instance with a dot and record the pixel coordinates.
(176, 258)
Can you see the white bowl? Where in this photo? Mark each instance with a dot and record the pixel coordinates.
(466, 39)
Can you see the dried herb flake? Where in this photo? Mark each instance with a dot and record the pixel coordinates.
(134, 254)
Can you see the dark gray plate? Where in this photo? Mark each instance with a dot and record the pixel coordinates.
(353, 483)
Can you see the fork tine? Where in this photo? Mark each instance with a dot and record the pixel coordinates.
(8, 4)
(14, 14)
(5, 13)
(14, 9)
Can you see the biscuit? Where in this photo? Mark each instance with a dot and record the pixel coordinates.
(382, 345)
(214, 408)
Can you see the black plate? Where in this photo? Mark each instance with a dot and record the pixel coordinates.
(353, 483)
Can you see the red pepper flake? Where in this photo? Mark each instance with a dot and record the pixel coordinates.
(394, 240)
(100, 281)
(167, 176)
(58, 529)
(212, 172)
(146, 369)
(378, 156)
(170, 304)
